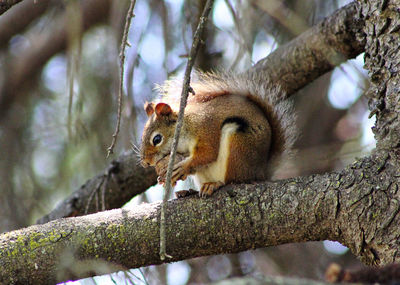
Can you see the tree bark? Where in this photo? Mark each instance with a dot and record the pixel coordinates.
(357, 206)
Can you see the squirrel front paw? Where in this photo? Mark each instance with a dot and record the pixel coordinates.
(181, 172)
(208, 188)
(162, 166)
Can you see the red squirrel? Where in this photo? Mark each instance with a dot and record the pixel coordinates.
(234, 130)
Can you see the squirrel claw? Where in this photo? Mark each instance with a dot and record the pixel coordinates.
(161, 179)
(179, 173)
(207, 189)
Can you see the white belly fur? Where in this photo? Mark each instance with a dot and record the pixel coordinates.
(216, 171)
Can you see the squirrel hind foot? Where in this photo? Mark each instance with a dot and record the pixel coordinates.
(208, 188)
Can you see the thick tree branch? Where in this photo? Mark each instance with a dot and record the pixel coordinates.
(7, 4)
(289, 64)
(358, 207)
(318, 50)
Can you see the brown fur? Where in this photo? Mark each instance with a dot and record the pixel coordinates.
(254, 129)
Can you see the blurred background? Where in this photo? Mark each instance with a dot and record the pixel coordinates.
(58, 108)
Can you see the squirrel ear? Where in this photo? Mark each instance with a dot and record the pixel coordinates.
(149, 108)
(163, 109)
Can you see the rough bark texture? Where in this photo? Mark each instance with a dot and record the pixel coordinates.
(357, 206)
(382, 60)
(289, 66)
(121, 181)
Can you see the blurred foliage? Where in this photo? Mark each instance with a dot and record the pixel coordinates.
(57, 122)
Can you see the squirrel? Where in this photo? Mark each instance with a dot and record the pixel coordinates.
(234, 130)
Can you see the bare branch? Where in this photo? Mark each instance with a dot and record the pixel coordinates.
(122, 180)
(124, 43)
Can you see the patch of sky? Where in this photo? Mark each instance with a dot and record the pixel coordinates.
(18, 43)
(367, 139)
(263, 46)
(227, 45)
(222, 16)
(334, 247)
(47, 128)
(152, 50)
(139, 22)
(175, 5)
(44, 163)
(178, 273)
(156, 192)
(96, 54)
(218, 267)
(344, 2)
(139, 78)
(345, 86)
(55, 74)
(133, 276)
(247, 261)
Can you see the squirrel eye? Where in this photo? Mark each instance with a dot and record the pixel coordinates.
(157, 139)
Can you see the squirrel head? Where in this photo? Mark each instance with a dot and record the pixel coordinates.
(158, 133)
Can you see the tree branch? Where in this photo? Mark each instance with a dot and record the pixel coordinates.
(7, 4)
(338, 206)
(122, 180)
(318, 50)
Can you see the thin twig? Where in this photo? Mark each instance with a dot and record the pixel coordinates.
(94, 191)
(184, 95)
(124, 43)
